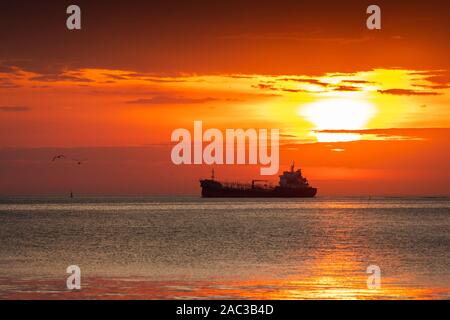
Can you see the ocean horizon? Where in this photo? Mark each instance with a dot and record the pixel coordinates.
(187, 247)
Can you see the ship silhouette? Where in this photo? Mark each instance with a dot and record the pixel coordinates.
(291, 185)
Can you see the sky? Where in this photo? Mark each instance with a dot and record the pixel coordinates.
(363, 112)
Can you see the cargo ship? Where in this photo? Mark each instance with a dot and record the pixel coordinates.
(291, 185)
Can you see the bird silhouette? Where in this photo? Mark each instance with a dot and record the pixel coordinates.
(79, 161)
(59, 156)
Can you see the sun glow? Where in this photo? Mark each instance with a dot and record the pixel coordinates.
(338, 114)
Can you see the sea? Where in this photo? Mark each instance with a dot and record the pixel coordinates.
(187, 247)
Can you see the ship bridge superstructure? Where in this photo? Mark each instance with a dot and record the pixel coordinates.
(293, 179)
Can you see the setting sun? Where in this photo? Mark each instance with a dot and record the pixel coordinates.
(338, 114)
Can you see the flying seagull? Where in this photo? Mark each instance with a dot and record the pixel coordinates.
(79, 161)
(59, 156)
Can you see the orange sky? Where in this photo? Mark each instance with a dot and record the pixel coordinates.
(363, 112)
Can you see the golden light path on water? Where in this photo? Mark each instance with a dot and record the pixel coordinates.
(194, 249)
(293, 288)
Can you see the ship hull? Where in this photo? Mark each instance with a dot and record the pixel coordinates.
(259, 193)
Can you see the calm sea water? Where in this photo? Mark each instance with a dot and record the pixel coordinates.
(187, 247)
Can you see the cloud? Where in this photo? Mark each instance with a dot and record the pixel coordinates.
(60, 77)
(308, 81)
(115, 76)
(293, 90)
(171, 100)
(42, 72)
(441, 79)
(270, 86)
(144, 77)
(162, 80)
(14, 109)
(6, 68)
(8, 85)
(433, 86)
(408, 92)
(131, 91)
(436, 77)
(241, 76)
(346, 88)
(357, 82)
(264, 86)
(413, 134)
(312, 81)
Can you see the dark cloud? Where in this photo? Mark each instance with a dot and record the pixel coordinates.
(439, 79)
(43, 71)
(14, 109)
(264, 86)
(133, 91)
(269, 86)
(157, 78)
(413, 132)
(171, 100)
(60, 77)
(8, 85)
(308, 81)
(346, 88)
(35, 66)
(293, 90)
(407, 92)
(41, 87)
(433, 86)
(436, 77)
(115, 76)
(357, 82)
(160, 80)
(392, 133)
(241, 76)
(6, 68)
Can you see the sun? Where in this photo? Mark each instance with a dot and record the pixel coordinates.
(338, 114)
